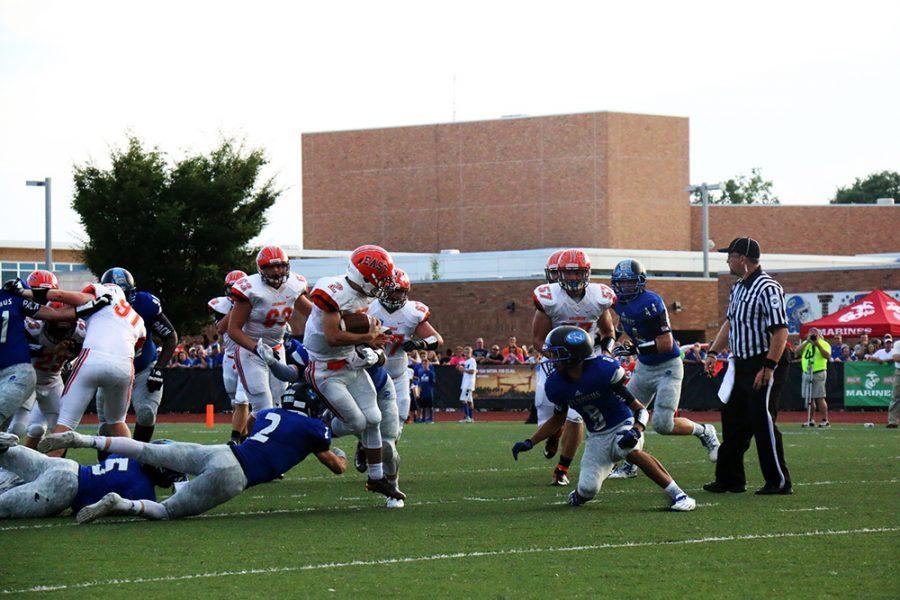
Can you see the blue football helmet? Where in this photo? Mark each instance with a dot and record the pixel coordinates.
(122, 278)
(628, 280)
(161, 476)
(567, 345)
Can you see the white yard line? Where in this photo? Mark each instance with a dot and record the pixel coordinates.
(451, 556)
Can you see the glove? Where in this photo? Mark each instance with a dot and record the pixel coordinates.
(89, 308)
(265, 352)
(155, 380)
(624, 350)
(14, 286)
(410, 345)
(363, 357)
(521, 447)
(628, 439)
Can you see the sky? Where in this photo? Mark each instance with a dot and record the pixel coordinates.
(806, 91)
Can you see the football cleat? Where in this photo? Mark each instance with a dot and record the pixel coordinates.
(105, 506)
(624, 471)
(8, 440)
(574, 499)
(560, 479)
(551, 447)
(824, 424)
(710, 441)
(359, 458)
(57, 441)
(384, 487)
(809, 424)
(683, 503)
(394, 503)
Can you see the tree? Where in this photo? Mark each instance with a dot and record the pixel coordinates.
(884, 184)
(178, 227)
(743, 190)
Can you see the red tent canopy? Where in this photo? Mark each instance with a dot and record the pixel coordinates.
(876, 314)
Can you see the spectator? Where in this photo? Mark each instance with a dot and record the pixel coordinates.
(215, 356)
(426, 374)
(859, 353)
(870, 351)
(514, 350)
(495, 357)
(694, 354)
(534, 357)
(183, 361)
(863, 341)
(469, 368)
(458, 356)
(836, 346)
(447, 357)
(433, 357)
(479, 352)
(885, 354)
(815, 354)
(845, 354)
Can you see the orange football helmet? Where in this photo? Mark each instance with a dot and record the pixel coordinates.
(551, 271)
(273, 266)
(44, 279)
(231, 278)
(371, 268)
(574, 268)
(395, 297)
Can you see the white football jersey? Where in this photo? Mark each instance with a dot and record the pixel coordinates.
(403, 322)
(271, 308)
(52, 355)
(221, 306)
(330, 294)
(562, 309)
(116, 329)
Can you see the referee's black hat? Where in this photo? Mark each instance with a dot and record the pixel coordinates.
(745, 246)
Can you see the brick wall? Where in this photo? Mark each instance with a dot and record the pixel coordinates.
(827, 229)
(467, 310)
(592, 180)
(37, 255)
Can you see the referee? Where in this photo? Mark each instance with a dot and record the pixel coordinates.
(756, 332)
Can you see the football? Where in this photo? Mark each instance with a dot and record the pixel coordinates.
(355, 322)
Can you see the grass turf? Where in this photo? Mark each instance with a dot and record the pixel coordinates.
(478, 524)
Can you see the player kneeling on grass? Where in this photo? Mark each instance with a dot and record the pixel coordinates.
(47, 486)
(595, 388)
(281, 439)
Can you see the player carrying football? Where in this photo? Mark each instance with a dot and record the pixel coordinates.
(569, 300)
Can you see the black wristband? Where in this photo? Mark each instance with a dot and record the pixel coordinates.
(40, 294)
(607, 343)
(768, 363)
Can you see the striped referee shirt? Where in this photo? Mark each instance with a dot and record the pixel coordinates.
(756, 309)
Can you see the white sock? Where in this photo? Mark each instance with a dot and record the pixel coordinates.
(144, 508)
(673, 490)
(375, 471)
(698, 429)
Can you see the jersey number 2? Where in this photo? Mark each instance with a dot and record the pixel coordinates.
(262, 436)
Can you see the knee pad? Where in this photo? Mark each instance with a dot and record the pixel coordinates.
(36, 431)
(663, 421)
(372, 416)
(356, 423)
(145, 416)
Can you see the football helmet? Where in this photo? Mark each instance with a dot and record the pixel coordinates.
(122, 278)
(574, 268)
(44, 279)
(566, 345)
(161, 476)
(395, 297)
(628, 280)
(57, 331)
(371, 268)
(551, 270)
(231, 278)
(273, 266)
(302, 398)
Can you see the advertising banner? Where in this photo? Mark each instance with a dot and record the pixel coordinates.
(868, 384)
(805, 307)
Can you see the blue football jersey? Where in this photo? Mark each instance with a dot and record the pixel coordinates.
(147, 305)
(643, 319)
(14, 347)
(280, 440)
(591, 396)
(118, 474)
(379, 376)
(296, 352)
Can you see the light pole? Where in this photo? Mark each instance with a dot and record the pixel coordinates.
(48, 244)
(704, 189)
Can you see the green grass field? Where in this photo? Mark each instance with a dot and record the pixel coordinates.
(478, 524)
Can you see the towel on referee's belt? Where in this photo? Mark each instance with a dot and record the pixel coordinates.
(727, 382)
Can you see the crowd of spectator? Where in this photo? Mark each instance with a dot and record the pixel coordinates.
(197, 352)
(878, 350)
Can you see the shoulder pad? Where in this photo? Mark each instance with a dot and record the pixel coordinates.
(543, 296)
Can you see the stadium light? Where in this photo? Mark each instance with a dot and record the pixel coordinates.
(48, 245)
(704, 189)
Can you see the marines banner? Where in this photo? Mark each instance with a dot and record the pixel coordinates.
(868, 384)
(805, 307)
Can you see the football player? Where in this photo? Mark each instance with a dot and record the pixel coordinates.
(569, 300)
(281, 438)
(346, 389)
(146, 392)
(264, 304)
(51, 485)
(659, 370)
(594, 386)
(220, 307)
(373, 361)
(17, 302)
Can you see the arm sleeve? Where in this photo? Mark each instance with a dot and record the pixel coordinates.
(29, 307)
(772, 298)
(162, 326)
(284, 372)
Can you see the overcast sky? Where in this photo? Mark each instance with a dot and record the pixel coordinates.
(808, 92)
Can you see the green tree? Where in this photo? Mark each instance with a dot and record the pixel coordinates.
(743, 190)
(179, 227)
(884, 184)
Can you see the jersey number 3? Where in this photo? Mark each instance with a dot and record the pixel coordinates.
(262, 436)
